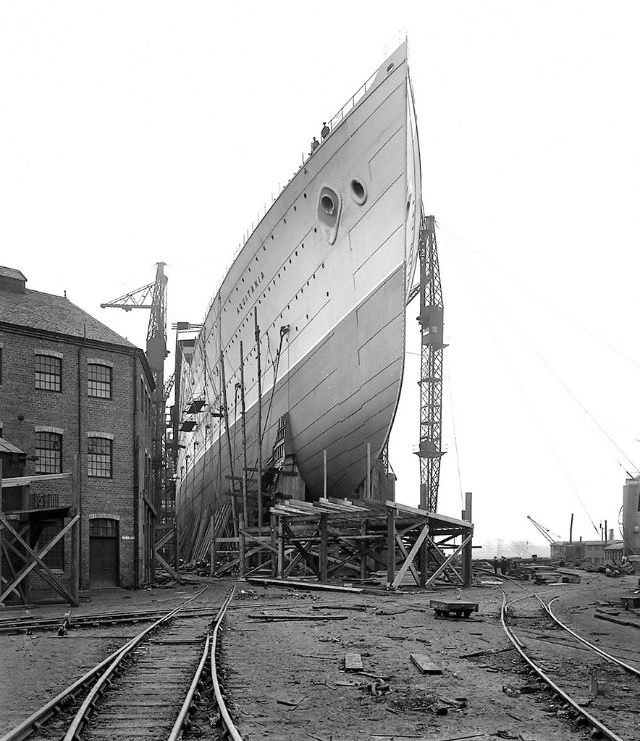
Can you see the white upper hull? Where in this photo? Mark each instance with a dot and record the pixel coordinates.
(337, 273)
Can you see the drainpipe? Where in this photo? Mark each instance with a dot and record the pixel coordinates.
(136, 493)
(78, 473)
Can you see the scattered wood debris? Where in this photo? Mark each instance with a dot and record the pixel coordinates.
(424, 664)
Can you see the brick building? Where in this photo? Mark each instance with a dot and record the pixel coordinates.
(76, 397)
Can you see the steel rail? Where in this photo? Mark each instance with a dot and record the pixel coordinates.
(87, 621)
(80, 717)
(577, 636)
(231, 730)
(181, 720)
(26, 728)
(540, 672)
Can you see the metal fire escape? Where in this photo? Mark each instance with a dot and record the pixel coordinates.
(153, 296)
(431, 356)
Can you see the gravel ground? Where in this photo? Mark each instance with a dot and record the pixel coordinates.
(301, 662)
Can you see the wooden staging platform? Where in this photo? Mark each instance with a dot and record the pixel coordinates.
(338, 538)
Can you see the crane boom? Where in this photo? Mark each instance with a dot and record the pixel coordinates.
(542, 530)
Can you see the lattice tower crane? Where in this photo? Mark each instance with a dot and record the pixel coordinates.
(153, 296)
(431, 357)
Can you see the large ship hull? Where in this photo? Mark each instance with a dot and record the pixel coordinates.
(327, 269)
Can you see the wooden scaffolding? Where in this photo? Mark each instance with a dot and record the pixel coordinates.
(27, 504)
(358, 541)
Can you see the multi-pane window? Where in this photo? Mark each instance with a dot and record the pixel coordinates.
(99, 380)
(48, 373)
(100, 457)
(48, 452)
(101, 527)
(55, 557)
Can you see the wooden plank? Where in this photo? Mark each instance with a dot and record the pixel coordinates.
(424, 664)
(353, 662)
(303, 585)
(24, 480)
(284, 616)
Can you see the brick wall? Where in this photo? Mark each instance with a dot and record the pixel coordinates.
(25, 409)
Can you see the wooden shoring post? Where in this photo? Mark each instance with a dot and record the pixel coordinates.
(324, 547)
(467, 552)
(280, 546)
(362, 548)
(450, 558)
(391, 545)
(367, 494)
(259, 441)
(424, 564)
(412, 554)
(243, 416)
(274, 544)
(242, 545)
(324, 473)
(75, 530)
(212, 549)
(234, 509)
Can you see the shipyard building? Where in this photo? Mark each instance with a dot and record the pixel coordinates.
(75, 424)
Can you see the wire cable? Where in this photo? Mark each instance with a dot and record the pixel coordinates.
(524, 395)
(455, 436)
(542, 299)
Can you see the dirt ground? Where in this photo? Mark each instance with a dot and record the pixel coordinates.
(286, 680)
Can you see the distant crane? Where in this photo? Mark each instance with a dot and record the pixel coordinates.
(546, 534)
(431, 356)
(153, 296)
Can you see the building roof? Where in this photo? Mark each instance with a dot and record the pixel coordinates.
(50, 313)
(7, 447)
(11, 273)
(615, 546)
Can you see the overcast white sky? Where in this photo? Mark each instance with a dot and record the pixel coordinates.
(132, 132)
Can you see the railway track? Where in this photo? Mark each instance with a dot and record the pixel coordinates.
(580, 673)
(21, 625)
(158, 685)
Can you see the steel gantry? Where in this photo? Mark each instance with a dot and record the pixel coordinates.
(153, 297)
(431, 356)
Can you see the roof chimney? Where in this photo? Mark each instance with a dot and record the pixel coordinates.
(12, 280)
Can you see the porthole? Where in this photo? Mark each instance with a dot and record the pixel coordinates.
(358, 192)
(272, 236)
(390, 67)
(304, 194)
